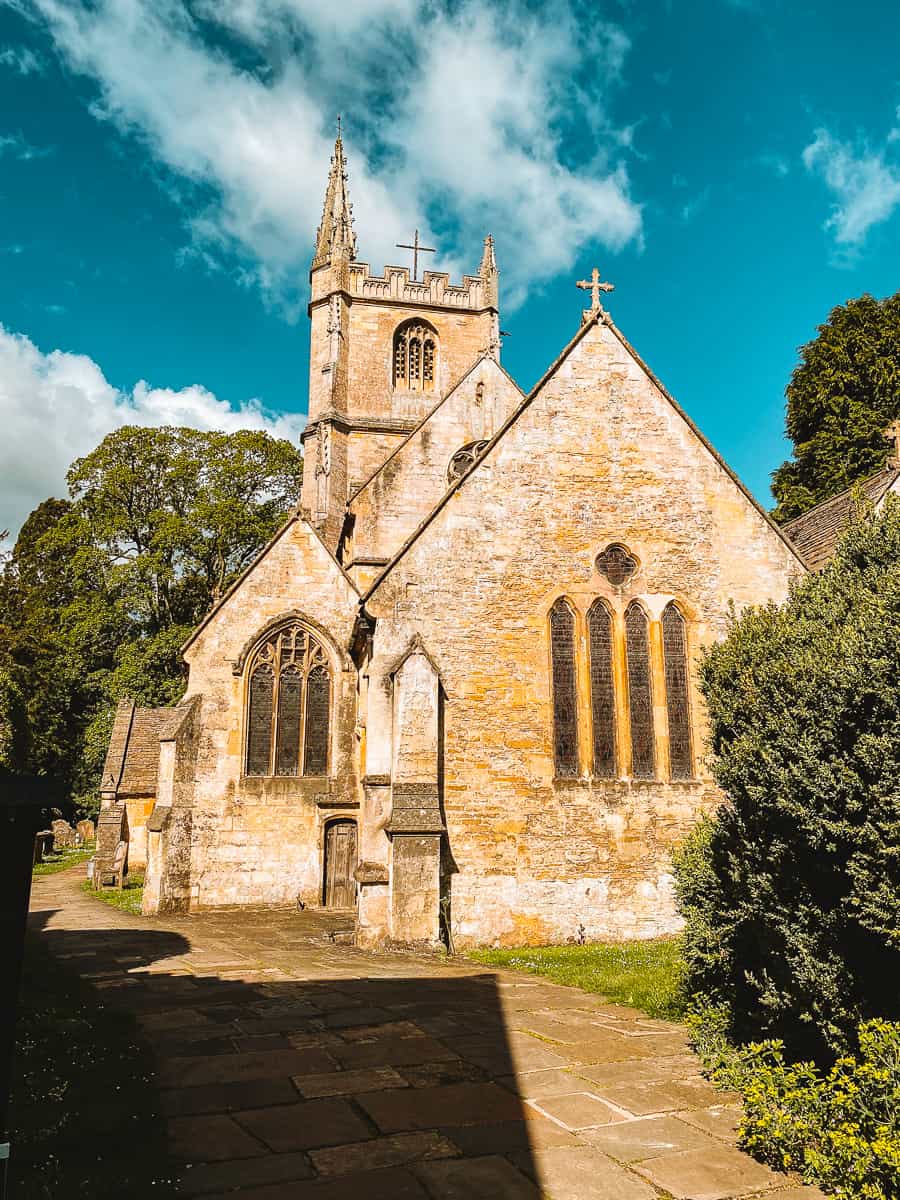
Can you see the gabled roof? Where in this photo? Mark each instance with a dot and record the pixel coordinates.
(816, 533)
(132, 760)
(591, 320)
(428, 416)
(273, 541)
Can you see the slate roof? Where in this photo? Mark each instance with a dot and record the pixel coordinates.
(132, 760)
(816, 533)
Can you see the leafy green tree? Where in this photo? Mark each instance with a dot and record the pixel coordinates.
(842, 396)
(791, 893)
(101, 590)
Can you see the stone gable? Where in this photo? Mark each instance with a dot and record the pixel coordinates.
(598, 455)
(388, 508)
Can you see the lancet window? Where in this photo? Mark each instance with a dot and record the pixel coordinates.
(625, 711)
(562, 659)
(640, 695)
(603, 700)
(288, 705)
(415, 357)
(675, 655)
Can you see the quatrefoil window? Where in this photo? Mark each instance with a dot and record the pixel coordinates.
(617, 563)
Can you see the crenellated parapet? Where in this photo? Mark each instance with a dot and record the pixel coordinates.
(434, 288)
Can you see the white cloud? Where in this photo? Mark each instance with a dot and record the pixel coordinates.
(22, 60)
(16, 146)
(864, 183)
(55, 407)
(458, 116)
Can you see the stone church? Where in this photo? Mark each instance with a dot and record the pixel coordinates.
(456, 692)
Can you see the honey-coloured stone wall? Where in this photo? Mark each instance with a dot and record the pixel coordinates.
(261, 840)
(600, 455)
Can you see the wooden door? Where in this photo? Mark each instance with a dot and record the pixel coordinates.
(340, 863)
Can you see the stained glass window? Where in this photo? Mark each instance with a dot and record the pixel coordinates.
(677, 701)
(288, 705)
(640, 695)
(562, 655)
(603, 705)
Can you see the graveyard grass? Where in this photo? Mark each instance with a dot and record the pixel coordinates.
(128, 898)
(646, 975)
(61, 860)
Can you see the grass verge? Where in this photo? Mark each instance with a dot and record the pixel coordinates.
(644, 975)
(62, 859)
(84, 1113)
(128, 899)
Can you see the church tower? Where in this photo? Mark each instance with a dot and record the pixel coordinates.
(384, 349)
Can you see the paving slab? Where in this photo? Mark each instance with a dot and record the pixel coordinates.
(304, 1126)
(393, 1151)
(708, 1174)
(583, 1173)
(648, 1137)
(292, 1066)
(579, 1110)
(489, 1178)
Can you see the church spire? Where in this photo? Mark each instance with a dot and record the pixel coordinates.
(489, 273)
(335, 237)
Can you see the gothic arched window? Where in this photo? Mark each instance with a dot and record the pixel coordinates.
(562, 662)
(640, 695)
(603, 703)
(677, 702)
(288, 705)
(415, 357)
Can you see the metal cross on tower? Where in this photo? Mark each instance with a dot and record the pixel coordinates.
(595, 287)
(417, 249)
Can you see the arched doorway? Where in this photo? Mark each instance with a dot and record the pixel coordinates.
(339, 884)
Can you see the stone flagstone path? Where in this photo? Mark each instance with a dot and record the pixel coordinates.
(292, 1065)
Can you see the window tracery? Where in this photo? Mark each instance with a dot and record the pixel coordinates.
(415, 357)
(640, 697)
(677, 701)
(288, 705)
(562, 658)
(603, 700)
(464, 458)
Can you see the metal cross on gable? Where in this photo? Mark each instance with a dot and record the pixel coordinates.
(417, 249)
(595, 287)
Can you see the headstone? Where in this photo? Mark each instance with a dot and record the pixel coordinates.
(84, 832)
(63, 835)
(43, 845)
(112, 828)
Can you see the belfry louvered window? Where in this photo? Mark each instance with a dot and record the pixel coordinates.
(677, 702)
(640, 695)
(562, 660)
(415, 357)
(288, 705)
(603, 700)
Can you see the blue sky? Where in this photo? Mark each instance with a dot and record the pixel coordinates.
(733, 167)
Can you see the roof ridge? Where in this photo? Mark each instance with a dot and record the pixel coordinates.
(599, 316)
(439, 404)
(886, 470)
(507, 424)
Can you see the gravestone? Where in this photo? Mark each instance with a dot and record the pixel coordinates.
(63, 835)
(112, 829)
(84, 832)
(43, 845)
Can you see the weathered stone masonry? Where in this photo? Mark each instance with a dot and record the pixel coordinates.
(444, 515)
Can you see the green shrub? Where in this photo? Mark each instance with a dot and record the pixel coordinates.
(838, 1128)
(791, 892)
